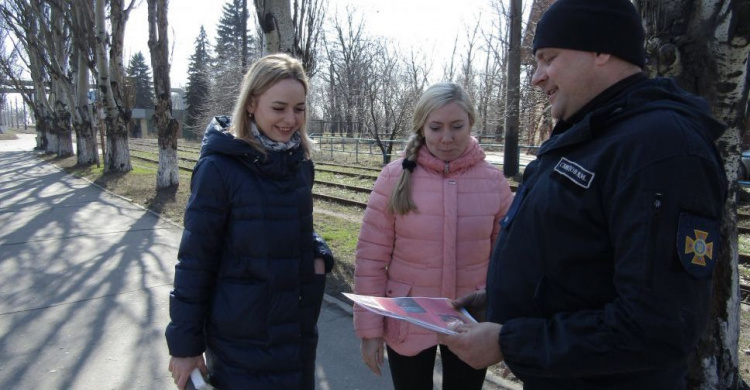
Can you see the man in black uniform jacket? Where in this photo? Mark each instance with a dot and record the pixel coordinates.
(601, 275)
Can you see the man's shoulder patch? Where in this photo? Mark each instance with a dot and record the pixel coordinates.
(698, 240)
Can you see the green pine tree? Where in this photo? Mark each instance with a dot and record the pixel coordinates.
(198, 84)
(139, 77)
(229, 63)
(229, 33)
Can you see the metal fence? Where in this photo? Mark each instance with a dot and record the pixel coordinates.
(366, 151)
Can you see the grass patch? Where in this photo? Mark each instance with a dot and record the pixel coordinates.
(341, 236)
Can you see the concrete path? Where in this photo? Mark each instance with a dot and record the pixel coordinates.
(84, 282)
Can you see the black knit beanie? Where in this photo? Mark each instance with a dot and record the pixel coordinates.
(601, 26)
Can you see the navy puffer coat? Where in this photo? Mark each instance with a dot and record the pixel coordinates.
(245, 291)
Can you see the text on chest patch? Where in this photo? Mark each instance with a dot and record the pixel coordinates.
(576, 173)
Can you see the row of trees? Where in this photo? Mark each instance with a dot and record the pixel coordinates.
(63, 45)
(364, 85)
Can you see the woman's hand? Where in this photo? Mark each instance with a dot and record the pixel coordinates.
(373, 353)
(182, 367)
(320, 266)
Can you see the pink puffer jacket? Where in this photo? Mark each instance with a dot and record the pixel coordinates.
(441, 250)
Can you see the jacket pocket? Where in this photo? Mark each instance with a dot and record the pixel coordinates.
(240, 310)
(396, 330)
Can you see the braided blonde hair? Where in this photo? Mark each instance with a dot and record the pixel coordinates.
(435, 97)
(261, 76)
(401, 202)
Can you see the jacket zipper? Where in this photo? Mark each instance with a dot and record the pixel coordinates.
(656, 205)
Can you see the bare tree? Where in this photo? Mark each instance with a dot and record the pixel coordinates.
(111, 82)
(449, 68)
(493, 85)
(534, 104)
(468, 69)
(349, 55)
(308, 17)
(390, 91)
(705, 46)
(25, 24)
(55, 51)
(81, 23)
(275, 19)
(167, 173)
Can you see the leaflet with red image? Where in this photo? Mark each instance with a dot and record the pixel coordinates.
(435, 314)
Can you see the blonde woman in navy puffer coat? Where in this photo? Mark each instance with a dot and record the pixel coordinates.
(250, 278)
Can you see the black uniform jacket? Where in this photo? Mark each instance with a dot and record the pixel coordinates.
(245, 291)
(601, 276)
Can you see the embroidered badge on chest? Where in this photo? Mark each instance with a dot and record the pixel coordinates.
(574, 172)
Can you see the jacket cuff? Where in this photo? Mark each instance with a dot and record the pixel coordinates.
(184, 343)
(323, 251)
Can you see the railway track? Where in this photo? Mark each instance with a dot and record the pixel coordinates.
(370, 169)
(318, 167)
(317, 195)
(354, 171)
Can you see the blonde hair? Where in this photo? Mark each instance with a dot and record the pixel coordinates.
(435, 97)
(261, 76)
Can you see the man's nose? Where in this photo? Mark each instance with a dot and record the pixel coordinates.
(538, 76)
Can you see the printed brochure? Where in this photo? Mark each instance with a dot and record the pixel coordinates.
(435, 314)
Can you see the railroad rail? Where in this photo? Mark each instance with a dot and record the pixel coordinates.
(318, 168)
(330, 198)
(319, 163)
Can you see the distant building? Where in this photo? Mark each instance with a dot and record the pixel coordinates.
(143, 127)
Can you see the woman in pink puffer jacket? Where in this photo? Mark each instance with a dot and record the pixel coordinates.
(428, 231)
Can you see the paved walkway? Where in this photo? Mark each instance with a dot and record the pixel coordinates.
(84, 283)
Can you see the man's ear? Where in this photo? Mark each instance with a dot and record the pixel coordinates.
(602, 58)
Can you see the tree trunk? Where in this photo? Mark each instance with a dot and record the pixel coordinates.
(275, 19)
(243, 27)
(510, 155)
(167, 174)
(117, 152)
(705, 46)
(86, 145)
(82, 28)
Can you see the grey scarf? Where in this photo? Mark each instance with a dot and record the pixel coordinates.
(272, 145)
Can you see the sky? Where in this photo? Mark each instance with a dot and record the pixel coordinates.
(429, 24)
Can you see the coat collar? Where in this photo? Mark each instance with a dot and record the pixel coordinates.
(472, 155)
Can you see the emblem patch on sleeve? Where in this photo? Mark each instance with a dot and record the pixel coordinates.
(697, 244)
(574, 172)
